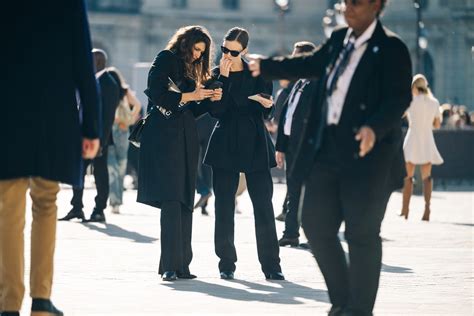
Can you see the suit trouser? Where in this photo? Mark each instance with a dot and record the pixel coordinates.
(176, 232)
(292, 221)
(330, 198)
(101, 176)
(43, 238)
(260, 187)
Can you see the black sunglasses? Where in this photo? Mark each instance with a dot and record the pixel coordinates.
(233, 53)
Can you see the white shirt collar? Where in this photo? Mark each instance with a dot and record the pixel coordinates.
(98, 74)
(364, 37)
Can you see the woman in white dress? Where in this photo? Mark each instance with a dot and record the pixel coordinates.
(419, 146)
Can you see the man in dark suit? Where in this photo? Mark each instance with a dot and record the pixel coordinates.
(110, 93)
(290, 126)
(47, 62)
(348, 148)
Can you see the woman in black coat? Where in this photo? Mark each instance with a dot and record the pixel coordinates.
(169, 144)
(240, 143)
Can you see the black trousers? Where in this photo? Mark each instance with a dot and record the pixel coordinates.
(101, 176)
(292, 221)
(260, 188)
(176, 232)
(331, 197)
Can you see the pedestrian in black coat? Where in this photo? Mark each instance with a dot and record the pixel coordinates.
(169, 144)
(46, 62)
(110, 96)
(347, 154)
(241, 143)
(290, 131)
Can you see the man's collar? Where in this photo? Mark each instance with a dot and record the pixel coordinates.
(364, 37)
(99, 73)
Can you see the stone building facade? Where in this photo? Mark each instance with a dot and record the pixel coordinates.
(133, 31)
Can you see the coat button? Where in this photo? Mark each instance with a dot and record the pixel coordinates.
(355, 129)
(356, 156)
(363, 107)
(311, 141)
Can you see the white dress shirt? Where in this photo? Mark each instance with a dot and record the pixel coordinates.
(293, 101)
(337, 99)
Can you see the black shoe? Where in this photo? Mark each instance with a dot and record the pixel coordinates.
(304, 245)
(281, 217)
(74, 213)
(338, 311)
(9, 313)
(96, 217)
(169, 276)
(293, 242)
(204, 211)
(275, 276)
(227, 275)
(203, 200)
(187, 276)
(44, 305)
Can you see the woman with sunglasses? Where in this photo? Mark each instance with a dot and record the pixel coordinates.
(241, 143)
(169, 143)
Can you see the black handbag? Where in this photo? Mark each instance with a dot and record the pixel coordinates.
(136, 133)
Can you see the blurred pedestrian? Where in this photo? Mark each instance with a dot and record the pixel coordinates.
(419, 146)
(110, 96)
(205, 125)
(290, 129)
(241, 143)
(45, 134)
(126, 114)
(170, 146)
(348, 147)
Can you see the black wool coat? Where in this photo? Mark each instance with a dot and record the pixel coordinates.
(110, 96)
(169, 146)
(240, 141)
(47, 59)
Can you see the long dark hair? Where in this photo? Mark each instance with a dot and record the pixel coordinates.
(238, 34)
(182, 44)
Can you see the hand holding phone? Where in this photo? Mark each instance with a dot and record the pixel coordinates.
(215, 85)
(264, 99)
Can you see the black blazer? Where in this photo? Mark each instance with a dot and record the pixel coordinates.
(169, 147)
(240, 141)
(285, 143)
(379, 93)
(48, 59)
(110, 95)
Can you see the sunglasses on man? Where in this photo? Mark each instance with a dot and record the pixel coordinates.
(233, 53)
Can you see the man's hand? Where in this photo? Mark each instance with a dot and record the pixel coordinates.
(217, 96)
(366, 136)
(280, 159)
(90, 147)
(266, 103)
(254, 63)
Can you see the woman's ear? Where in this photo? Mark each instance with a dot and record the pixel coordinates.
(245, 51)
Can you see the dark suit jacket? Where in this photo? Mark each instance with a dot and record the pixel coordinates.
(48, 58)
(285, 143)
(379, 93)
(240, 141)
(110, 95)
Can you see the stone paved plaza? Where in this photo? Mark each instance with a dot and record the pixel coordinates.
(112, 269)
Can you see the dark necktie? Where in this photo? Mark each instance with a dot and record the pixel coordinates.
(344, 57)
(341, 64)
(294, 91)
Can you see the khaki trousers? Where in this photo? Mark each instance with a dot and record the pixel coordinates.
(43, 238)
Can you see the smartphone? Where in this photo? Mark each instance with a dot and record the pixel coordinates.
(215, 85)
(264, 95)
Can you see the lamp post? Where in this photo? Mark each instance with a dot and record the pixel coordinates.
(283, 6)
(334, 17)
(421, 38)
